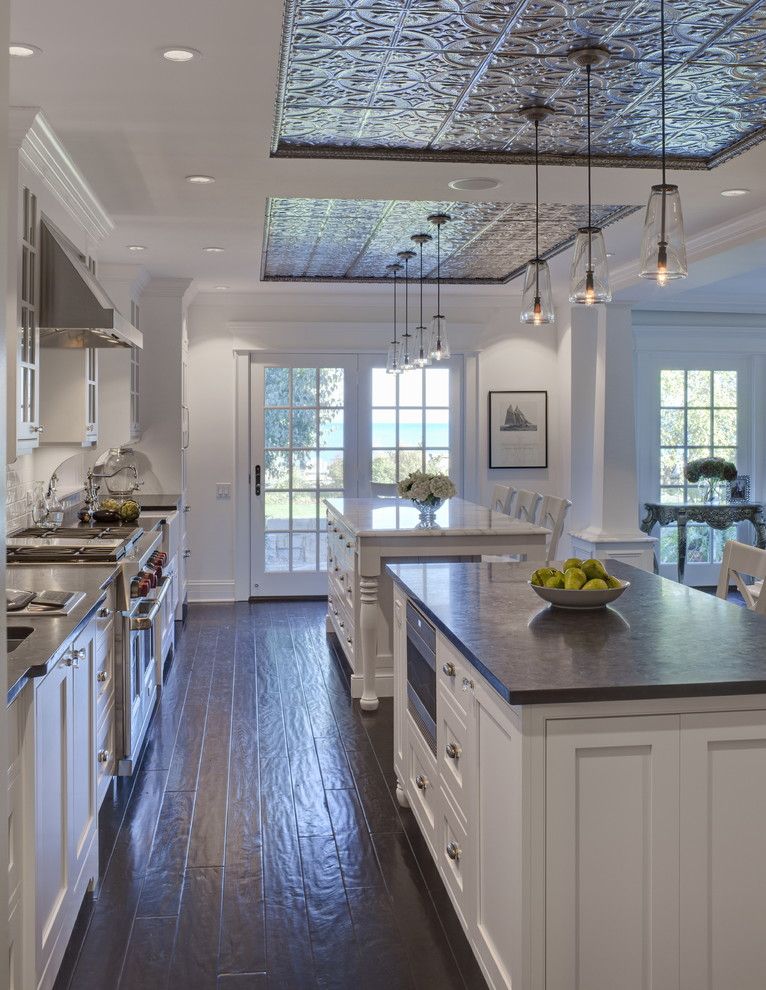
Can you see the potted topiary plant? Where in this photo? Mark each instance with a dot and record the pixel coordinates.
(710, 473)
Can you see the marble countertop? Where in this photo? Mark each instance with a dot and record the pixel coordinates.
(33, 656)
(397, 517)
(660, 639)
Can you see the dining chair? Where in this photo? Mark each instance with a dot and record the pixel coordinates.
(740, 560)
(379, 489)
(553, 512)
(502, 496)
(526, 505)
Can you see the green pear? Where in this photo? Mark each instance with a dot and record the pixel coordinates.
(572, 562)
(541, 574)
(574, 578)
(613, 582)
(594, 569)
(595, 584)
(555, 581)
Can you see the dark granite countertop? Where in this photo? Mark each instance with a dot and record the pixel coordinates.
(660, 639)
(33, 656)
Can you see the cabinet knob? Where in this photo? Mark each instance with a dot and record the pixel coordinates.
(38, 429)
(421, 782)
(187, 508)
(80, 654)
(467, 684)
(453, 751)
(453, 850)
(187, 554)
(341, 623)
(348, 640)
(102, 676)
(349, 544)
(449, 668)
(104, 613)
(103, 756)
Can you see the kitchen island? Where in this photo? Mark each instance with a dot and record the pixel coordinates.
(594, 792)
(362, 533)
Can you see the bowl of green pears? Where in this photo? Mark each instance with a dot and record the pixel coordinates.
(580, 584)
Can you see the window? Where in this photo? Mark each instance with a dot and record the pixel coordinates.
(698, 418)
(410, 423)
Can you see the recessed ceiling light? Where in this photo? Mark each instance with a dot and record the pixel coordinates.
(200, 180)
(213, 250)
(734, 192)
(221, 288)
(18, 50)
(176, 54)
(136, 247)
(474, 183)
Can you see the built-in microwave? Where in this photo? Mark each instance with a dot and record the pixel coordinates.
(421, 674)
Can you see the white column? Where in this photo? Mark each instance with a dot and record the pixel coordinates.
(605, 511)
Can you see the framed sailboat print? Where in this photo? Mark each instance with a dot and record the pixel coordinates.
(518, 429)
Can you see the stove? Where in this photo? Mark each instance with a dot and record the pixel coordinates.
(71, 545)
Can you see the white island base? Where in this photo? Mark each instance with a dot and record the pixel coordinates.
(613, 845)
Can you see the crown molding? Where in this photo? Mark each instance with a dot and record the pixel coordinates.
(42, 152)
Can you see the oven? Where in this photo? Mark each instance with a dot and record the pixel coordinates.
(421, 674)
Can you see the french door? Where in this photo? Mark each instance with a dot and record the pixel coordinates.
(304, 440)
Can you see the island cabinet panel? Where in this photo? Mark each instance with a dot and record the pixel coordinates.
(723, 851)
(612, 860)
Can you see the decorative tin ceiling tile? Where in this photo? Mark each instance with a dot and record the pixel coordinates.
(445, 79)
(353, 240)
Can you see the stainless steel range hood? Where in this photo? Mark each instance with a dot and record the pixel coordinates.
(75, 310)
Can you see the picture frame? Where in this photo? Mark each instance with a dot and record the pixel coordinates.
(739, 489)
(518, 428)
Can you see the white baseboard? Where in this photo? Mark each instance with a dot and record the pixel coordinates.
(384, 684)
(210, 591)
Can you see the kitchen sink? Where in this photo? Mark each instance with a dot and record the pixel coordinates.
(17, 635)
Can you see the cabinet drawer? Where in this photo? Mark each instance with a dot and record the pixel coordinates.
(453, 748)
(104, 676)
(105, 756)
(451, 671)
(422, 784)
(454, 858)
(105, 615)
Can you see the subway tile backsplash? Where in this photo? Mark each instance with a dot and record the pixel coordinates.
(18, 511)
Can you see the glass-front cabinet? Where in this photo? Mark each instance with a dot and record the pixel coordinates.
(28, 428)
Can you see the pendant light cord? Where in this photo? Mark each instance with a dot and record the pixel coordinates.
(438, 269)
(420, 350)
(406, 335)
(662, 76)
(394, 340)
(590, 206)
(537, 210)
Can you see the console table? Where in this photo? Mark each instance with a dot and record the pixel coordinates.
(715, 515)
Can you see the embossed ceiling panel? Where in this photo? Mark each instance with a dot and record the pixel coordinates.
(445, 79)
(353, 240)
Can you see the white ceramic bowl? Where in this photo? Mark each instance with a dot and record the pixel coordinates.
(588, 599)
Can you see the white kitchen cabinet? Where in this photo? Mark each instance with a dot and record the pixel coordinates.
(723, 852)
(69, 400)
(15, 845)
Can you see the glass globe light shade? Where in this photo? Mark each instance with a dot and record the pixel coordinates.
(589, 274)
(537, 298)
(439, 349)
(663, 247)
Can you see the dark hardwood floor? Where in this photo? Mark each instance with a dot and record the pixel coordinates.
(260, 844)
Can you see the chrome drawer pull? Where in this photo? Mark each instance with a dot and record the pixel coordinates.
(104, 613)
(449, 668)
(453, 751)
(453, 850)
(421, 782)
(103, 756)
(467, 684)
(102, 676)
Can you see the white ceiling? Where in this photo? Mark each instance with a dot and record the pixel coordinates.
(137, 124)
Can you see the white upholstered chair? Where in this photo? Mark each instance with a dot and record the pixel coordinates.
(525, 507)
(739, 561)
(553, 512)
(502, 496)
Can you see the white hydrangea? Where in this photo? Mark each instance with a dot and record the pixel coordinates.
(442, 487)
(421, 490)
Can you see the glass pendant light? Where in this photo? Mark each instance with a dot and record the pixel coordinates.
(537, 298)
(421, 358)
(394, 360)
(663, 247)
(589, 274)
(439, 349)
(407, 362)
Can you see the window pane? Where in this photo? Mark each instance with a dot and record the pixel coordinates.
(410, 427)
(384, 466)
(728, 453)
(304, 551)
(276, 427)
(277, 510)
(671, 466)
(304, 428)
(725, 388)
(383, 388)
(437, 386)
(304, 506)
(672, 496)
(721, 536)
(304, 386)
(697, 544)
(277, 551)
(409, 461)
(276, 386)
(672, 427)
(411, 388)
(672, 388)
(437, 461)
(304, 469)
(698, 428)
(331, 469)
(698, 388)
(437, 427)
(725, 425)
(331, 428)
(384, 427)
(331, 386)
(277, 472)
(323, 509)
(668, 545)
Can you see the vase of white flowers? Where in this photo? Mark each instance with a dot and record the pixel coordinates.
(428, 492)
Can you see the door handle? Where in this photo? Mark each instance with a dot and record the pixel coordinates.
(257, 479)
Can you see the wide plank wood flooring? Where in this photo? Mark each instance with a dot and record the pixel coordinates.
(260, 844)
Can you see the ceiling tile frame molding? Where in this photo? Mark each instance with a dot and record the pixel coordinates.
(443, 80)
(346, 240)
